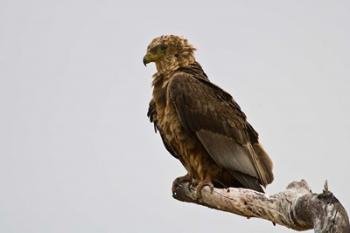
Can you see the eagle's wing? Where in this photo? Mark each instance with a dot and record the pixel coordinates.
(219, 124)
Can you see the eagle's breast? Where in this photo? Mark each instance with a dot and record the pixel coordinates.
(169, 122)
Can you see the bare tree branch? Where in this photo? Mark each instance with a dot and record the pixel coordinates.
(296, 207)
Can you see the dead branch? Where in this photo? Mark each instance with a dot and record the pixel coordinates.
(296, 207)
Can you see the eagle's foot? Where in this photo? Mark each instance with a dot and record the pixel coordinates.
(201, 185)
(184, 179)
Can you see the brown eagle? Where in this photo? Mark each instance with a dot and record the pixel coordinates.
(200, 124)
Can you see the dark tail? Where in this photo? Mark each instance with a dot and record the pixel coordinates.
(248, 182)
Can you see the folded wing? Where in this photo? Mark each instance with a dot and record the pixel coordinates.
(217, 121)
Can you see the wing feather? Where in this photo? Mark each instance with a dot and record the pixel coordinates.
(219, 124)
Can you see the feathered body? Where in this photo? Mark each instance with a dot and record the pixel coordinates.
(200, 124)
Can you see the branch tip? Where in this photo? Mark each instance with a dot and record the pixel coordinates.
(325, 187)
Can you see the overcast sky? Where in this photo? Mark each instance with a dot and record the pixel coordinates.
(77, 153)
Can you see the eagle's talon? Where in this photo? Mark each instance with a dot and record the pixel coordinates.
(193, 184)
(183, 179)
(201, 185)
(190, 186)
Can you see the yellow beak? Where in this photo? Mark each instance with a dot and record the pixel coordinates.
(149, 57)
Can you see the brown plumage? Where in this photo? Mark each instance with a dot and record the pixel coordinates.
(200, 124)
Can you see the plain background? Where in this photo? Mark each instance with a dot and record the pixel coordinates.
(77, 153)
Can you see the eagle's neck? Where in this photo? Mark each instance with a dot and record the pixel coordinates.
(168, 65)
(161, 80)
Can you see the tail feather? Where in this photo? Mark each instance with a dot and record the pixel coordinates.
(265, 163)
(247, 181)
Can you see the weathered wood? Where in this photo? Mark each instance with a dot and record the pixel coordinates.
(296, 207)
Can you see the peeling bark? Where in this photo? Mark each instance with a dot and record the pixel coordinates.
(296, 207)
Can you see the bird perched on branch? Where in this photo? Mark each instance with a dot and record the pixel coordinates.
(200, 124)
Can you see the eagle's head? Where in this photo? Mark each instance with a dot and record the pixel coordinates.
(169, 52)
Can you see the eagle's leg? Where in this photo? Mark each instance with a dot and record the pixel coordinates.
(205, 172)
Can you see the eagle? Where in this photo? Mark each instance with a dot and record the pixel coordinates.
(200, 124)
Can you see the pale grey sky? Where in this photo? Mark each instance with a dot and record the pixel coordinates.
(77, 153)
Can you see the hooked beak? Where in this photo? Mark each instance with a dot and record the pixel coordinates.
(149, 58)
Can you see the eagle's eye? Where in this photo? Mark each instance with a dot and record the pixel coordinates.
(163, 47)
(160, 49)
